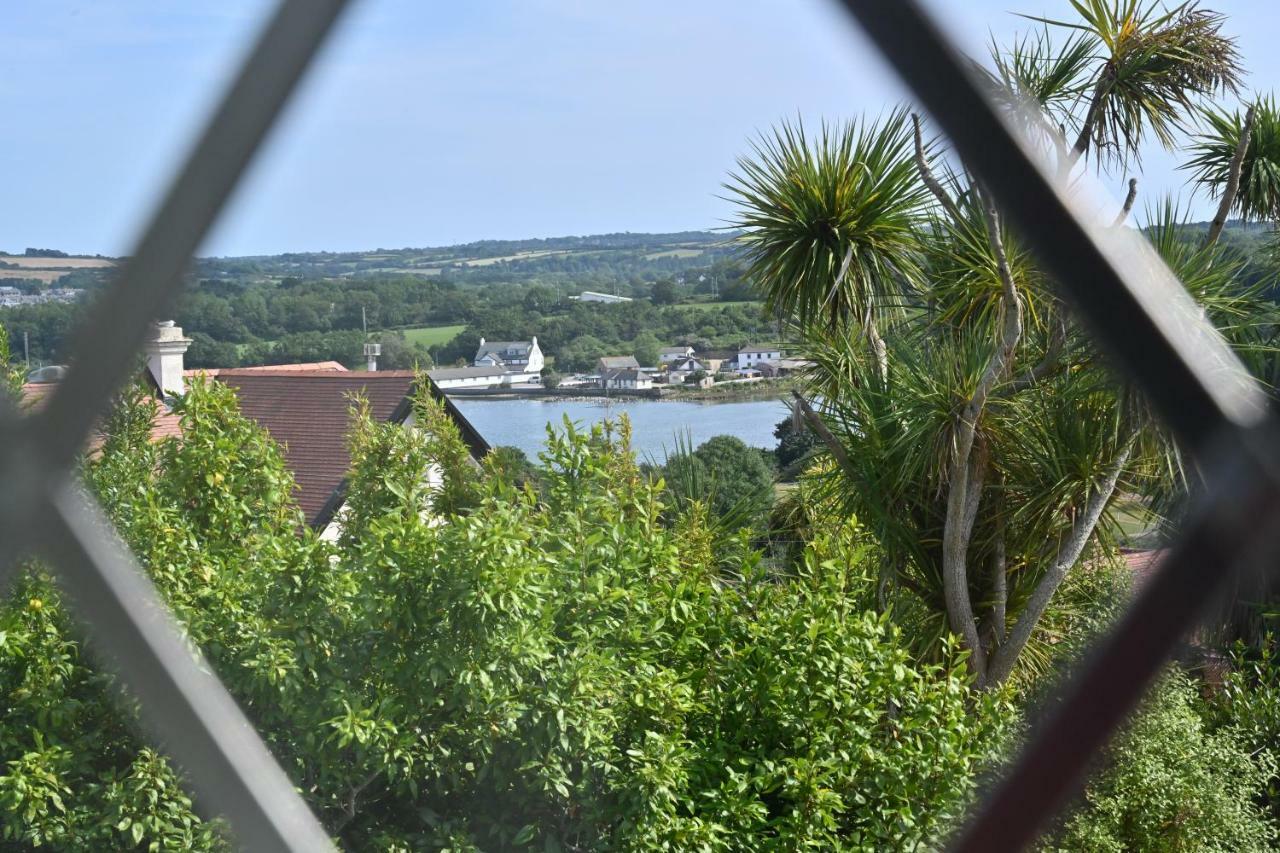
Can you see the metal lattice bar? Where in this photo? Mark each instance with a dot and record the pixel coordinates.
(1140, 314)
(181, 701)
(102, 353)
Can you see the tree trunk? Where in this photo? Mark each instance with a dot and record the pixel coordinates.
(999, 585)
(957, 527)
(1128, 203)
(926, 173)
(1090, 120)
(1004, 657)
(1233, 178)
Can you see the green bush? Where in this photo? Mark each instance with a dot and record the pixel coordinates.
(1170, 784)
(560, 671)
(1248, 704)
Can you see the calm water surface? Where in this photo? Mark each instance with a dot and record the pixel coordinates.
(655, 423)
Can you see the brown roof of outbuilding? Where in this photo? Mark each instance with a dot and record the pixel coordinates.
(335, 366)
(307, 413)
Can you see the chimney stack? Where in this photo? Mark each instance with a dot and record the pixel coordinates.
(371, 353)
(164, 350)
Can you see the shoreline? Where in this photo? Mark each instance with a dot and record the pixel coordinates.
(761, 390)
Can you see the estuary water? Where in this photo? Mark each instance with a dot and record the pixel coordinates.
(656, 424)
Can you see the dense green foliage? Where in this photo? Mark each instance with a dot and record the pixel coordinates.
(572, 672)
(733, 480)
(1170, 783)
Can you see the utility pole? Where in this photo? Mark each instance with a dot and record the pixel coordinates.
(26, 349)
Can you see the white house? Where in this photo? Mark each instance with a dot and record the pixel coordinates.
(616, 362)
(666, 355)
(496, 363)
(750, 355)
(511, 356)
(629, 379)
(681, 369)
(593, 296)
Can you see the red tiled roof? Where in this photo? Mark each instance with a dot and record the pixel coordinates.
(36, 394)
(335, 366)
(306, 412)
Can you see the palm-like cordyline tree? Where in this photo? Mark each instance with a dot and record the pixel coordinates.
(1237, 158)
(978, 436)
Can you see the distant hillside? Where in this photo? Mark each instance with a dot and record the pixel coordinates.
(487, 261)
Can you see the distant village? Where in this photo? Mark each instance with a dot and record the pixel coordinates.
(518, 366)
(11, 296)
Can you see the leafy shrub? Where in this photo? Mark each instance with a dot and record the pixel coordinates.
(561, 670)
(733, 479)
(1169, 783)
(1248, 705)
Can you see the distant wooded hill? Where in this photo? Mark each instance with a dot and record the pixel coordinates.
(433, 304)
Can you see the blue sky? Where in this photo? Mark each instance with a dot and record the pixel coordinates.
(436, 123)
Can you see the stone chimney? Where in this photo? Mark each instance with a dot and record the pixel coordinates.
(164, 349)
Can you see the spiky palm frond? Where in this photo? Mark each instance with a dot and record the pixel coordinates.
(1157, 63)
(1241, 312)
(963, 273)
(1212, 150)
(1034, 74)
(806, 203)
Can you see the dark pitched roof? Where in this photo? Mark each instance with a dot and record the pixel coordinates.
(625, 374)
(615, 362)
(759, 348)
(505, 349)
(306, 412)
(464, 372)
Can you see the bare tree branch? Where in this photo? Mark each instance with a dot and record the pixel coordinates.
(1004, 657)
(819, 427)
(999, 587)
(353, 796)
(955, 539)
(926, 173)
(1047, 366)
(1233, 178)
(1128, 203)
(1090, 120)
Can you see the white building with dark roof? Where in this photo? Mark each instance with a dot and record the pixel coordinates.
(511, 356)
(628, 378)
(750, 355)
(667, 355)
(593, 296)
(617, 362)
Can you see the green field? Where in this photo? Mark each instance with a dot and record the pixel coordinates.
(674, 253)
(711, 306)
(431, 335)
